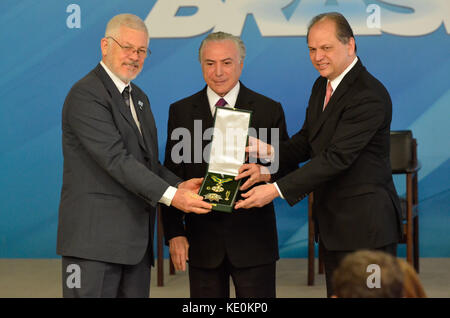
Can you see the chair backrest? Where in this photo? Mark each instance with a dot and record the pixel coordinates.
(402, 151)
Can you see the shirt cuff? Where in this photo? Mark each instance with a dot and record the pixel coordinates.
(271, 158)
(168, 196)
(278, 189)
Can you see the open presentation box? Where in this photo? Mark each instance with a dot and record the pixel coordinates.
(226, 157)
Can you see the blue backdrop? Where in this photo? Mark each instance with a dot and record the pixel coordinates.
(48, 45)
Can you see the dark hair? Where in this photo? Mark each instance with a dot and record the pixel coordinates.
(343, 29)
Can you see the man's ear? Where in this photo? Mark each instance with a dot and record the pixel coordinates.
(351, 46)
(104, 44)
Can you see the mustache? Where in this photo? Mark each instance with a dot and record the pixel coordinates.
(132, 63)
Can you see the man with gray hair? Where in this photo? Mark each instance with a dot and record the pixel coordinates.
(112, 180)
(242, 244)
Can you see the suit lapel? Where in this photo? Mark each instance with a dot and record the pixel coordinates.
(244, 100)
(118, 102)
(202, 110)
(142, 109)
(318, 100)
(334, 103)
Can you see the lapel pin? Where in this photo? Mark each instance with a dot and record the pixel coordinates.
(141, 105)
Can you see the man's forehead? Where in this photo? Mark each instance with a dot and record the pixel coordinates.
(322, 30)
(211, 58)
(128, 34)
(220, 49)
(222, 45)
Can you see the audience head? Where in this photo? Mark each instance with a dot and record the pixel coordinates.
(368, 274)
(412, 287)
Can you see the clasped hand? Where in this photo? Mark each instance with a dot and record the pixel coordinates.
(187, 200)
(263, 194)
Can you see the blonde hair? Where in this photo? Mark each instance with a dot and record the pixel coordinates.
(412, 287)
(349, 279)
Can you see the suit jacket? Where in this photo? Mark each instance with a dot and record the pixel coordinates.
(246, 237)
(355, 202)
(112, 179)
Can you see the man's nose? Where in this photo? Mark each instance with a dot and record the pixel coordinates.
(318, 55)
(134, 55)
(218, 70)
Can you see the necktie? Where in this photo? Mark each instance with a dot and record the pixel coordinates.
(328, 94)
(126, 95)
(126, 99)
(221, 102)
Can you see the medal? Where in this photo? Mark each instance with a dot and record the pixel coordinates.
(213, 197)
(218, 187)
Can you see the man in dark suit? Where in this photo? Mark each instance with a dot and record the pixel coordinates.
(242, 244)
(112, 179)
(346, 137)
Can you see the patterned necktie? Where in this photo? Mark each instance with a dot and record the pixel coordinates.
(328, 94)
(221, 102)
(126, 95)
(126, 99)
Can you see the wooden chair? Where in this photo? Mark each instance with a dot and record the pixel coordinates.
(404, 161)
(403, 158)
(160, 251)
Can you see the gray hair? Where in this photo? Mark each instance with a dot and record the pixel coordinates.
(343, 29)
(126, 19)
(222, 36)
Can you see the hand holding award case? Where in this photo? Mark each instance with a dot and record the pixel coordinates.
(226, 157)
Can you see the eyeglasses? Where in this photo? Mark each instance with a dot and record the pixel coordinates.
(129, 50)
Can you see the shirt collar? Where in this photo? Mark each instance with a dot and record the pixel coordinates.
(117, 81)
(230, 97)
(335, 83)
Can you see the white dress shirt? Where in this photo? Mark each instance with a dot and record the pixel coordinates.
(230, 97)
(170, 191)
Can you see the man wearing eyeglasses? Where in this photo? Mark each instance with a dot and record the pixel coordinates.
(112, 180)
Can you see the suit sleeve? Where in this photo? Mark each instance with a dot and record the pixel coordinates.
(162, 171)
(172, 218)
(168, 175)
(90, 119)
(281, 168)
(358, 124)
(297, 149)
